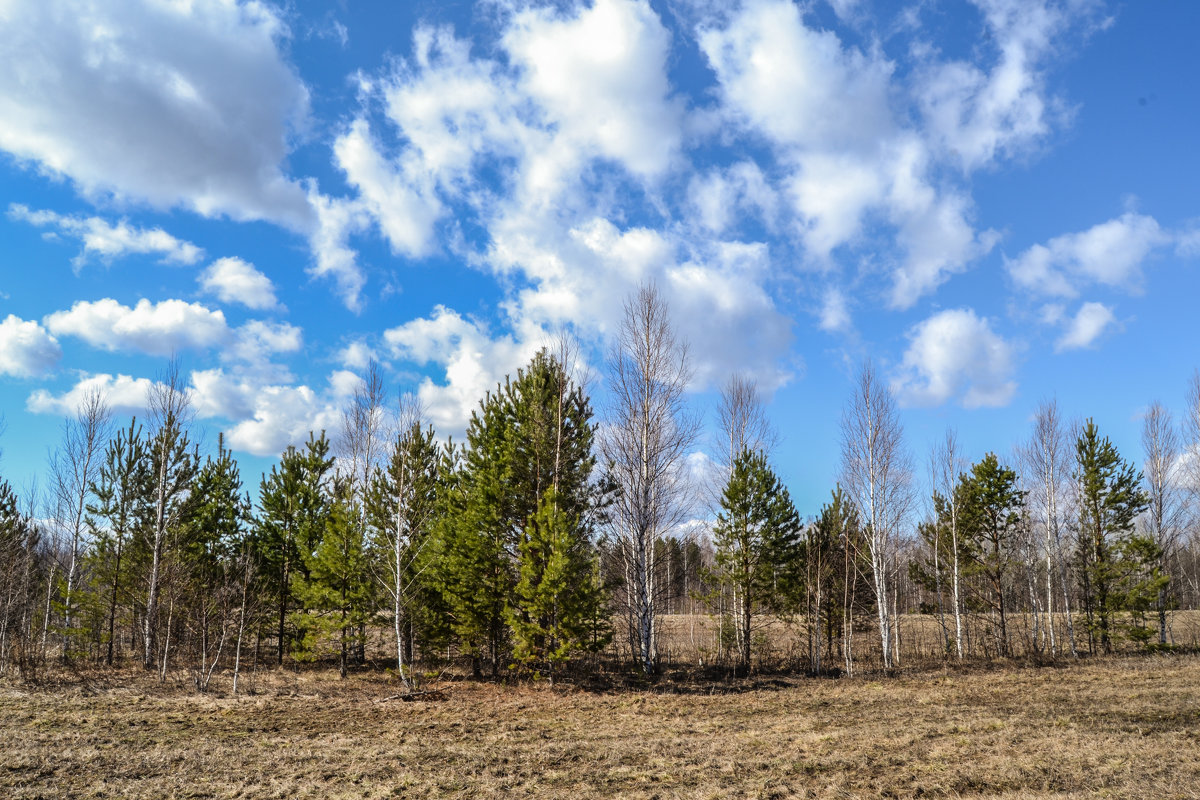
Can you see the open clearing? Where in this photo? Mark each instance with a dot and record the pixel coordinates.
(1119, 728)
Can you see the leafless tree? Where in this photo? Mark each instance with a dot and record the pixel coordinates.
(170, 413)
(1165, 516)
(743, 421)
(1190, 473)
(876, 473)
(74, 466)
(363, 438)
(1047, 458)
(645, 445)
(946, 465)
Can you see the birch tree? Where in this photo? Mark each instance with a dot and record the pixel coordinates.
(1046, 458)
(946, 464)
(645, 444)
(1164, 516)
(876, 474)
(74, 467)
(400, 507)
(174, 463)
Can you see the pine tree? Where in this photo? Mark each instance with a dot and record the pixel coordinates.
(833, 555)
(1117, 568)
(756, 538)
(293, 507)
(533, 434)
(217, 538)
(556, 601)
(120, 517)
(335, 590)
(991, 520)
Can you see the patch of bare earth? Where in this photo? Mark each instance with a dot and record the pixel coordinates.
(1127, 728)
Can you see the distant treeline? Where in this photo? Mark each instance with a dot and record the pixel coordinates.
(550, 538)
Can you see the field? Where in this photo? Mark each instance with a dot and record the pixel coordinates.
(1126, 727)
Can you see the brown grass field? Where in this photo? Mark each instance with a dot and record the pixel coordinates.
(1126, 727)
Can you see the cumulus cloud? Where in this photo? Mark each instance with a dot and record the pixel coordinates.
(26, 348)
(473, 362)
(233, 280)
(979, 115)
(1085, 327)
(124, 394)
(1110, 254)
(827, 110)
(158, 329)
(174, 104)
(955, 355)
(108, 241)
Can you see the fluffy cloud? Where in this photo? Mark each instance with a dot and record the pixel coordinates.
(233, 280)
(1110, 254)
(826, 108)
(174, 104)
(108, 241)
(26, 349)
(266, 417)
(978, 116)
(600, 80)
(1085, 327)
(124, 394)
(955, 354)
(472, 361)
(153, 328)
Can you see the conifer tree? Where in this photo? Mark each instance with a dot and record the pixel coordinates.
(991, 520)
(217, 538)
(556, 602)
(293, 507)
(335, 589)
(119, 517)
(756, 539)
(1117, 568)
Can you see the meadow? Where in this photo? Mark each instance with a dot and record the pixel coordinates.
(1119, 727)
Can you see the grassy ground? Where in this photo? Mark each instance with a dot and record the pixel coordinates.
(1119, 728)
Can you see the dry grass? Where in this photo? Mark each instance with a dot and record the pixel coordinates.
(1119, 728)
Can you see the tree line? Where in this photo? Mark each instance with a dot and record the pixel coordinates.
(551, 538)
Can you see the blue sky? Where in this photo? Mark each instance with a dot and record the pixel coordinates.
(993, 201)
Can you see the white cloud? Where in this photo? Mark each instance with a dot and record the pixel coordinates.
(833, 315)
(599, 77)
(401, 201)
(357, 355)
(174, 104)
(26, 349)
(472, 361)
(955, 354)
(827, 110)
(233, 280)
(977, 116)
(255, 342)
(1085, 327)
(124, 394)
(1110, 254)
(153, 328)
(108, 241)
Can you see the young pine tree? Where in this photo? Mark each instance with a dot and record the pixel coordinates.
(1117, 568)
(756, 539)
(293, 507)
